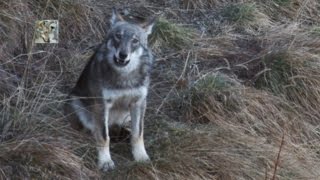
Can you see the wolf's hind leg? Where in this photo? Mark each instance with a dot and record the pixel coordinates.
(82, 113)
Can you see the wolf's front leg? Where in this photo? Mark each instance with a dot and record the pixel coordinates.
(137, 112)
(102, 135)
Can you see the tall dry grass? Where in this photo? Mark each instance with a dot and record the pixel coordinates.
(235, 91)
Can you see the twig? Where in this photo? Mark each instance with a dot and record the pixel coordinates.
(276, 164)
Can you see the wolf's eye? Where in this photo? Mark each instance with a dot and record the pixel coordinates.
(135, 41)
(118, 36)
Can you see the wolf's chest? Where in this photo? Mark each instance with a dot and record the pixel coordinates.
(122, 98)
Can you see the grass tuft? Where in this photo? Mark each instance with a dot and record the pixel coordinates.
(278, 73)
(199, 4)
(282, 2)
(217, 87)
(169, 34)
(239, 13)
(315, 31)
(214, 82)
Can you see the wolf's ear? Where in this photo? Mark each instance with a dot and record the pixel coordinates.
(116, 17)
(147, 26)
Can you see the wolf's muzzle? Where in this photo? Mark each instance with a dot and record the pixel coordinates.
(120, 62)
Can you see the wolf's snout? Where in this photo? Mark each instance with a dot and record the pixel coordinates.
(123, 56)
(120, 61)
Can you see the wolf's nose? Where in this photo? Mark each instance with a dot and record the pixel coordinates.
(123, 55)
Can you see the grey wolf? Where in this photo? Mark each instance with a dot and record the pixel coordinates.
(113, 87)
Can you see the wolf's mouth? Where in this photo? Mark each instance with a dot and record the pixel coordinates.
(120, 62)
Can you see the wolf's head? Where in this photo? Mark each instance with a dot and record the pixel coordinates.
(126, 41)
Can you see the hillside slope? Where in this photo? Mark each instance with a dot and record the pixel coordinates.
(235, 92)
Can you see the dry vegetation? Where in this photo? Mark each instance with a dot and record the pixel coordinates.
(235, 93)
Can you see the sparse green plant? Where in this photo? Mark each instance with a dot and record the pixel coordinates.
(239, 13)
(315, 31)
(216, 88)
(198, 4)
(278, 73)
(282, 2)
(215, 83)
(167, 33)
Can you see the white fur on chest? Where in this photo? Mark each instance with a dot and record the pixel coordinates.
(122, 98)
(115, 94)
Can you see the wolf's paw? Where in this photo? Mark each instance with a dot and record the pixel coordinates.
(142, 158)
(105, 162)
(140, 155)
(106, 165)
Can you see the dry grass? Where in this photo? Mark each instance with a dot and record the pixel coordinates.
(235, 91)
